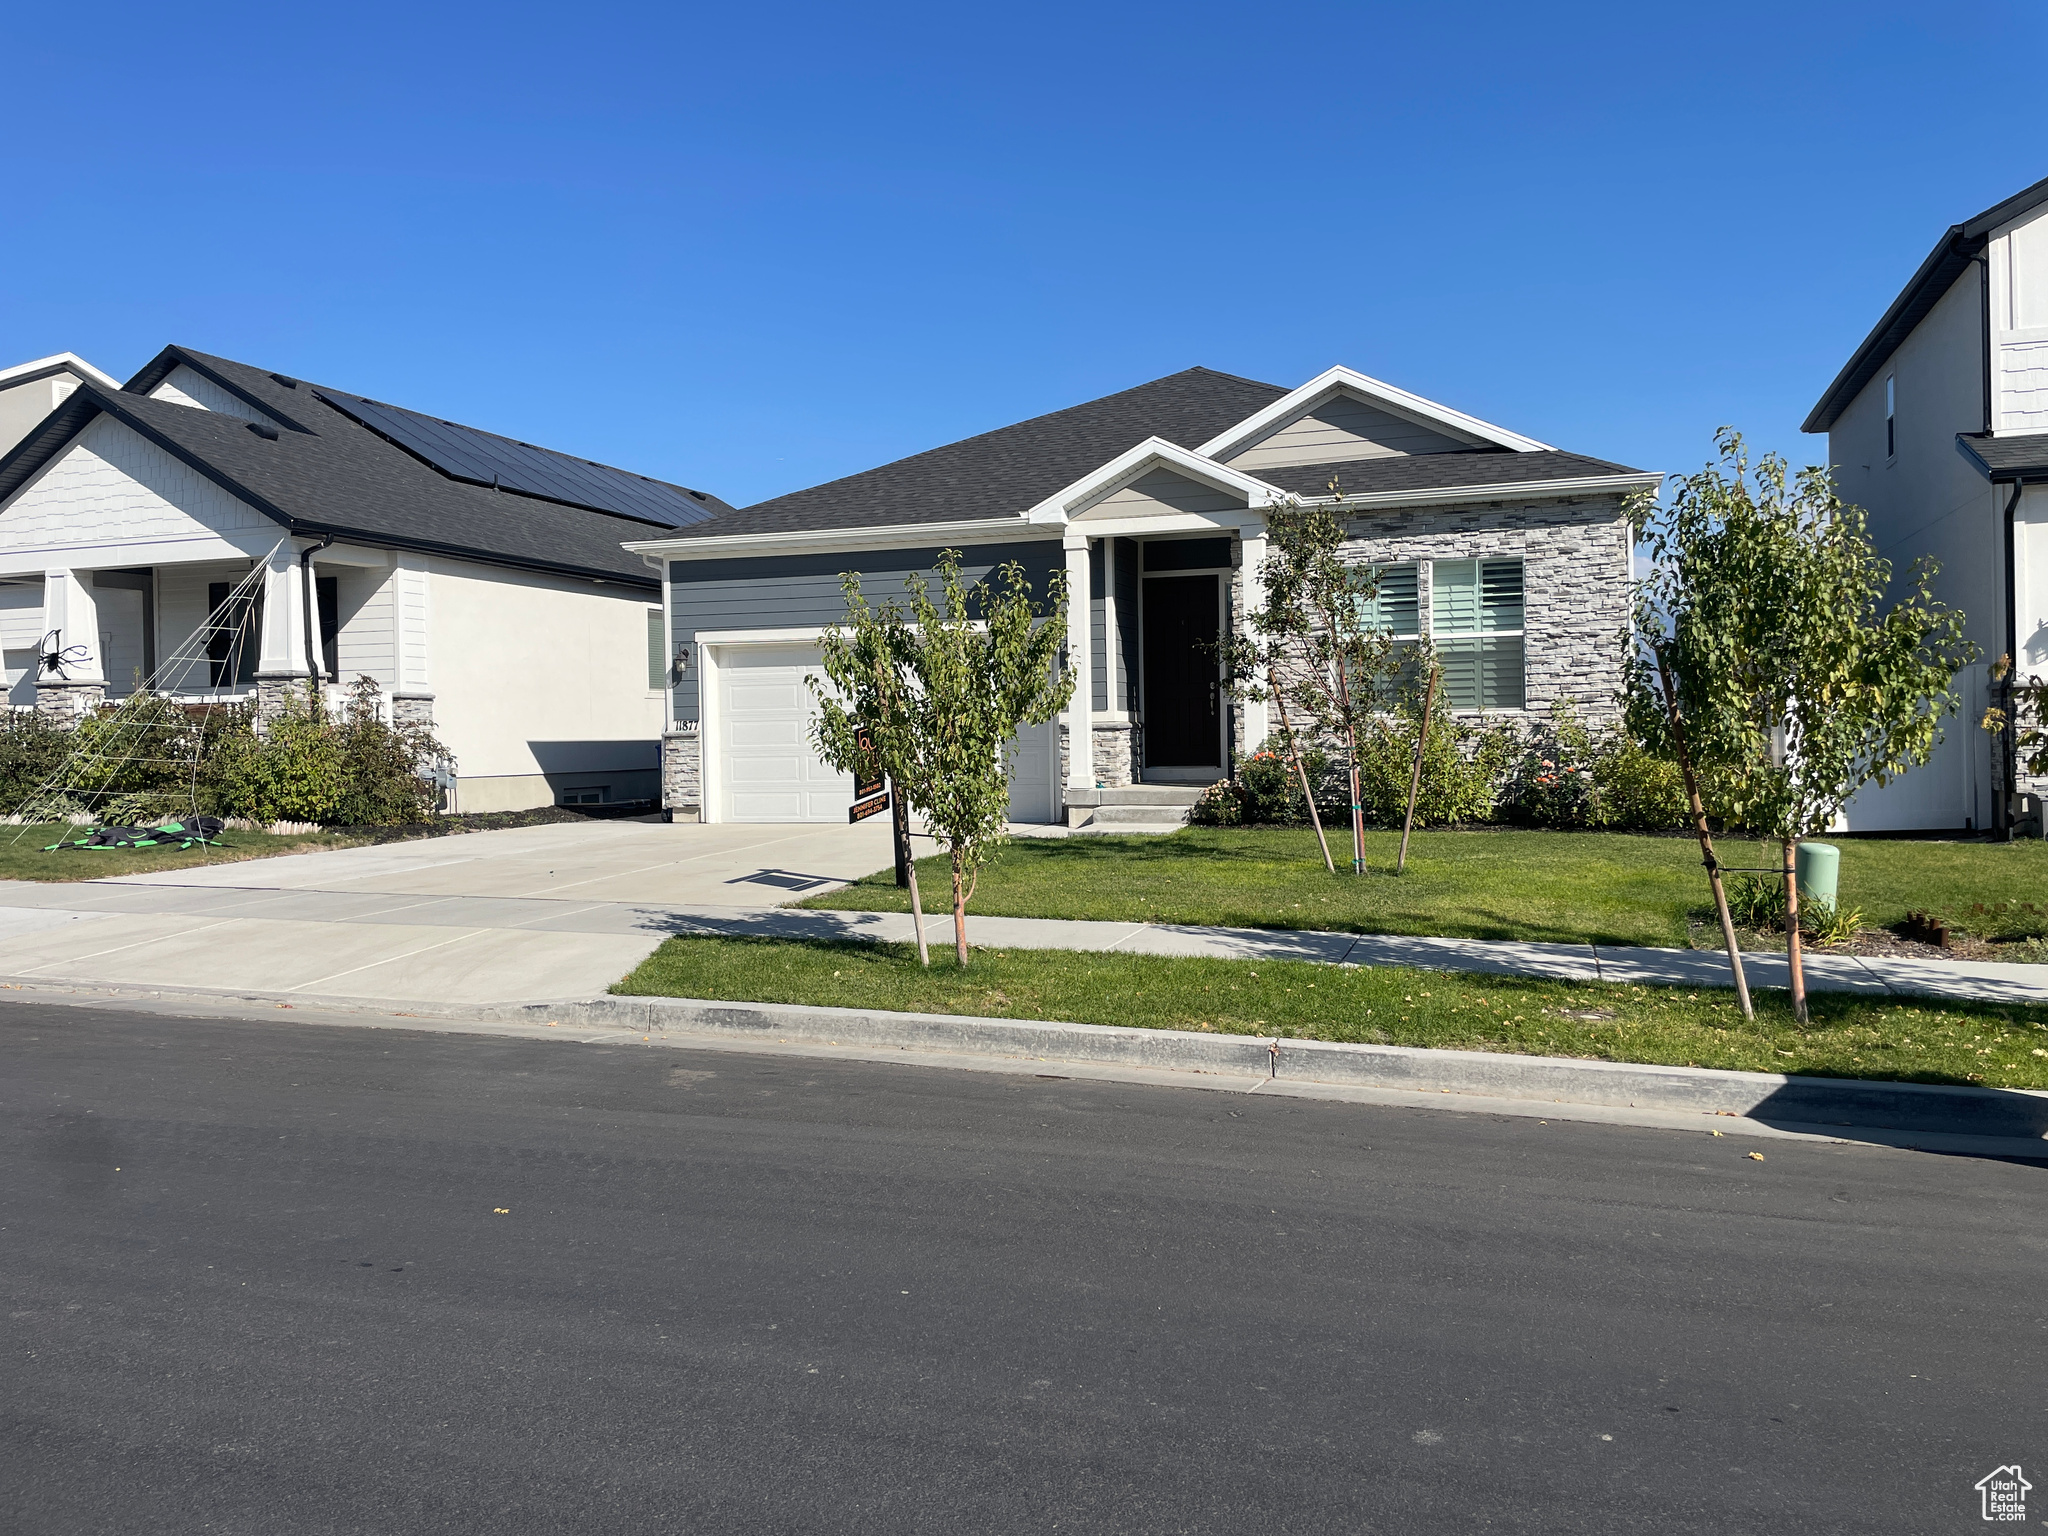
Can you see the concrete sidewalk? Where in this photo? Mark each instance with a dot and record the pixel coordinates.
(1567, 962)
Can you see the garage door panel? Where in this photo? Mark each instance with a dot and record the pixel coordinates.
(768, 696)
(745, 735)
(770, 771)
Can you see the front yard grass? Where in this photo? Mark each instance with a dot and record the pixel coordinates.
(1566, 887)
(2003, 1046)
(22, 857)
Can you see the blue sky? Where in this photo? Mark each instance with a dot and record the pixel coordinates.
(753, 251)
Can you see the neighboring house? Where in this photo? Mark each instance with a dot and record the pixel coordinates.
(478, 580)
(1938, 428)
(30, 391)
(1511, 555)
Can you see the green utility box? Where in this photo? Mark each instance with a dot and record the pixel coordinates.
(1818, 869)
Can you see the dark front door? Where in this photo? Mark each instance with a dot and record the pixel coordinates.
(1180, 696)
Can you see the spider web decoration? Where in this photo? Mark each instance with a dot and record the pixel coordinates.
(122, 737)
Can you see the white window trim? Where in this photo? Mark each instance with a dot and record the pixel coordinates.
(1520, 632)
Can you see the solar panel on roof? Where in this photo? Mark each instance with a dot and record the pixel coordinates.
(484, 458)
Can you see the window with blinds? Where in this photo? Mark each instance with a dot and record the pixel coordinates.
(1476, 622)
(1396, 603)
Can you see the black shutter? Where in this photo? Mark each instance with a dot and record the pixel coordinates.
(327, 594)
(220, 641)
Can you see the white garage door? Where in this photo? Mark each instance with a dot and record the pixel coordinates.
(768, 770)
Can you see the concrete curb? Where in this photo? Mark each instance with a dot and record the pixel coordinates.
(1763, 1096)
(2016, 1117)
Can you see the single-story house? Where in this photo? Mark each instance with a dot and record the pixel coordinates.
(1512, 555)
(479, 580)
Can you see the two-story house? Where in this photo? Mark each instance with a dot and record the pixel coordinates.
(1938, 427)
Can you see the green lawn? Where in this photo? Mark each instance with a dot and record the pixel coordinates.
(1998, 1046)
(1607, 888)
(22, 856)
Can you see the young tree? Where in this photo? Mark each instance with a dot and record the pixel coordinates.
(1315, 642)
(1769, 663)
(1256, 657)
(942, 688)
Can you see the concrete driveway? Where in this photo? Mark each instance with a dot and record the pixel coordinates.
(531, 914)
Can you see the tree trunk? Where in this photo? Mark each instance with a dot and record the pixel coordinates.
(1699, 826)
(1301, 769)
(1357, 815)
(1792, 959)
(1415, 784)
(924, 956)
(959, 911)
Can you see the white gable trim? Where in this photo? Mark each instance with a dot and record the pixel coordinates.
(1336, 380)
(69, 362)
(1154, 453)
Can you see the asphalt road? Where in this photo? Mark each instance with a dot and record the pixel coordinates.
(281, 1278)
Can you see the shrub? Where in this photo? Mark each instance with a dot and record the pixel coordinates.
(1463, 767)
(1569, 775)
(32, 748)
(307, 766)
(385, 765)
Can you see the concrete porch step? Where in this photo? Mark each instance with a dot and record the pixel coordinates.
(1139, 815)
(1138, 794)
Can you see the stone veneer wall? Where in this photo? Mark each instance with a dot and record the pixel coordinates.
(1575, 574)
(68, 703)
(1115, 753)
(682, 772)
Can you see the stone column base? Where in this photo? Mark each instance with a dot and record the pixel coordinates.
(1116, 756)
(413, 709)
(682, 772)
(68, 703)
(279, 694)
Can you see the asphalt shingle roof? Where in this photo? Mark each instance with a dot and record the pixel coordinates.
(2002, 458)
(324, 472)
(1438, 471)
(1005, 472)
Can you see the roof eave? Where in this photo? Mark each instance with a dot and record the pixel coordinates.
(1539, 490)
(1962, 244)
(727, 546)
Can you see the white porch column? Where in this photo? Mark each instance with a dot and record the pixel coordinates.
(1080, 723)
(72, 610)
(282, 648)
(282, 669)
(412, 692)
(1254, 713)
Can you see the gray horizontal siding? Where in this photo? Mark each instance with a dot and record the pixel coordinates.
(1339, 430)
(803, 591)
(1164, 490)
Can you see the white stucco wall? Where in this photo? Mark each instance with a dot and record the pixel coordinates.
(539, 683)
